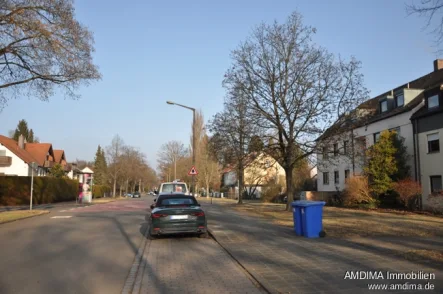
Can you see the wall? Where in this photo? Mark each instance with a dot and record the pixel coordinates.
(338, 163)
(431, 164)
(341, 162)
(18, 166)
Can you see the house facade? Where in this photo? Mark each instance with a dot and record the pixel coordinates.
(17, 157)
(428, 136)
(403, 109)
(259, 171)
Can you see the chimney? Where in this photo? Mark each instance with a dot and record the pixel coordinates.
(438, 64)
(21, 142)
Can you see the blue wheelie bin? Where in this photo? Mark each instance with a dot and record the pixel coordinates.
(308, 218)
(296, 210)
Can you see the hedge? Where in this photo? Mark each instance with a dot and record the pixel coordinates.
(17, 190)
(99, 190)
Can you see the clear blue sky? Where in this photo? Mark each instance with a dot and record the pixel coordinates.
(153, 51)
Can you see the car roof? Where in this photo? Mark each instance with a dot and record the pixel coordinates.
(174, 195)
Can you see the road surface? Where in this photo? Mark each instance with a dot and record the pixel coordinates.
(92, 249)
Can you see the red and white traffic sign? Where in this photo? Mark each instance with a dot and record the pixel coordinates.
(193, 171)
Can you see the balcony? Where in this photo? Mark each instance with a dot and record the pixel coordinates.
(49, 164)
(5, 161)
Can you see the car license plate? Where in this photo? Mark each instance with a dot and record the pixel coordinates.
(179, 216)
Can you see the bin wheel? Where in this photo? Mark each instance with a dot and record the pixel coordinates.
(322, 234)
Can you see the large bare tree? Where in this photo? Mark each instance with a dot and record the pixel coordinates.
(295, 88)
(115, 167)
(169, 155)
(432, 10)
(43, 46)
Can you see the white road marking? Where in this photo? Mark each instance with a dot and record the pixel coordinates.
(62, 210)
(62, 216)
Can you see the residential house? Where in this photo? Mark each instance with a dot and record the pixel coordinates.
(428, 135)
(341, 154)
(260, 169)
(85, 175)
(16, 157)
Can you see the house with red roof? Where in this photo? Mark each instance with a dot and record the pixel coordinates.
(17, 157)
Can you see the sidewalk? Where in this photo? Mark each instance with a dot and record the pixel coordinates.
(39, 206)
(285, 263)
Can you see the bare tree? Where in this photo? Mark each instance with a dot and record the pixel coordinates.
(208, 166)
(169, 155)
(114, 152)
(42, 46)
(431, 10)
(233, 129)
(296, 88)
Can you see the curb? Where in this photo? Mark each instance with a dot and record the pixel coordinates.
(133, 281)
(14, 220)
(250, 275)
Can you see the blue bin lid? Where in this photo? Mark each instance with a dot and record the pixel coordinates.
(304, 203)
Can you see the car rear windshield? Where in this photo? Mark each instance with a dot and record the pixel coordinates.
(177, 201)
(170, 188)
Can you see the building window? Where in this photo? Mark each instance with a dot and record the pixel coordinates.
(325, 153)
(436, 184)
(433, 143)
(335, 149)
(433, 101)
(376, 137)
(384, 106)
(336, 177)
(347, 173)
(400, 100)
(345, 147)
(326, 178)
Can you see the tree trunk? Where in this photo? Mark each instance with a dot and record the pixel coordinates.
(175, 170)
(240, 183)
(114, 190)
(289, 188)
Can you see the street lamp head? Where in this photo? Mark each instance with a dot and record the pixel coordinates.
(170, 102)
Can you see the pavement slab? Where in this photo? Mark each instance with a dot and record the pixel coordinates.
(285, 263)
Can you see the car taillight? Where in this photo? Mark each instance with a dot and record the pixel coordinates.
(158, 215)
(198, 213)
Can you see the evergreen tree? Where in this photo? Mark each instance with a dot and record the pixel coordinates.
(382, 163)
(22, 129)
(100, 167)
(401, 158)
(57, 171)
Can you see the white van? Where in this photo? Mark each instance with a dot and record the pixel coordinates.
(174, 187)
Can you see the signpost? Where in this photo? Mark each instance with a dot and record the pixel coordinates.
(193, 172)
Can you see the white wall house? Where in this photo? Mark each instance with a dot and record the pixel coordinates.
(17, 166)
(415, 111)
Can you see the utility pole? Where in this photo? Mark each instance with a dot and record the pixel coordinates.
(32, 185)
(193, 139)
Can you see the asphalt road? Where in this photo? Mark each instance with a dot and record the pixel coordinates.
(92, 249)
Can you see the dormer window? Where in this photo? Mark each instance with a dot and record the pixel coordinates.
(399, 100)
(433, 102)
(384, 106)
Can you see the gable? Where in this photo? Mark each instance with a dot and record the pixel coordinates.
(87, 170)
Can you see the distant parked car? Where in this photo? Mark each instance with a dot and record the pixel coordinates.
(129, 195)
(136, 195)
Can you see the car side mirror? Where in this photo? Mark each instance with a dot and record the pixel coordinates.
(152, 206)
(155, 200)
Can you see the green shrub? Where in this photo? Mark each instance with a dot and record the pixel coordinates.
(17, 190)
(99, 190)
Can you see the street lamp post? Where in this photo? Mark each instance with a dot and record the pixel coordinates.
(193, 139)
(32, 185)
